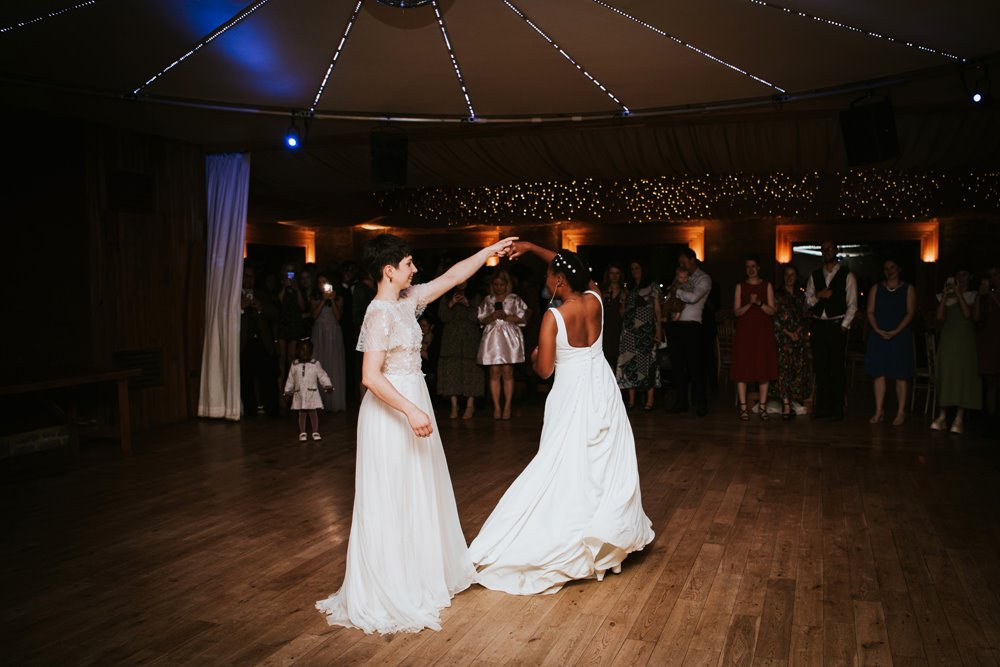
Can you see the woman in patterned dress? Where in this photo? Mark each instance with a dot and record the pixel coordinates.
(790, 333)
(641, 333)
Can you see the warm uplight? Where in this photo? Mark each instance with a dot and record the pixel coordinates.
(371, 227)
(492, 260)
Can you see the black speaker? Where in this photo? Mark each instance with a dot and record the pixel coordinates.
(869, 133)
(389, 153)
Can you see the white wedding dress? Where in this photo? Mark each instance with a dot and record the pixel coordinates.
(407, 555)
(576, 510)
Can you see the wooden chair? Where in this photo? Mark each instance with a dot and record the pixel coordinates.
(925, 376)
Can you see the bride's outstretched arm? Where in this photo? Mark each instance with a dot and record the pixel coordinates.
(524, 247)
(373, 379)
(465, 269)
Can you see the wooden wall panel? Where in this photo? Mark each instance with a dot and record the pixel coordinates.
(147, 278)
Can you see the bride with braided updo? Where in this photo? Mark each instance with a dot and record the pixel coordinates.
(576, 511)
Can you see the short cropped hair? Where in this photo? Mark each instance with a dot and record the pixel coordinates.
(384, 250)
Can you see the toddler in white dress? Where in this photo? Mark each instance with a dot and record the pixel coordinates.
(306, 379)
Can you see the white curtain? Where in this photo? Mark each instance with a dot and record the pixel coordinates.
(228, 178)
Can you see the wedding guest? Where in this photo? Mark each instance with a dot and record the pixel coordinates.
(362, 295)
(458, 373)
(687, 355)
(832, 295)
(327, 307)
(958, 382)
(613, 294)
(892, 304)
(791, 335)
(502, 315)
(306, 380)
(291, 309)
(986, 313)
(258, 370)
(637, 369)
(755, 357)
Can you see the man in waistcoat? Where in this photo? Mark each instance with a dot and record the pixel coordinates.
(832, 296)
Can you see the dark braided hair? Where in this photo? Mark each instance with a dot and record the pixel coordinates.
(572, 268)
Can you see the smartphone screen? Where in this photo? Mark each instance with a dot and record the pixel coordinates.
(291, 274)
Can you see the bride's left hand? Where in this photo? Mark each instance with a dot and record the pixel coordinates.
(519, 248)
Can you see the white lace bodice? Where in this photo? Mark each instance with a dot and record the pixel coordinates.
(392, 326)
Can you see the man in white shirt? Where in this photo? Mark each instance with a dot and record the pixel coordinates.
(687, 339)
(832, 296)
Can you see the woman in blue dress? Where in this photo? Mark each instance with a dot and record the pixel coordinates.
(891, 306)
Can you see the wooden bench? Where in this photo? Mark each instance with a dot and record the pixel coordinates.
(120, 377)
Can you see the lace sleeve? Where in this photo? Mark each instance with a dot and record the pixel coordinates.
(419, 296)
(376, 330)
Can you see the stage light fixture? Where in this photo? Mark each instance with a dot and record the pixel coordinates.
(977, 83)
(293, 139)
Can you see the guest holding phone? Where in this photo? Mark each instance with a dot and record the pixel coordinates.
(502, 315)
(457, 371)
(291, 308)
(958, 380)
(327, 307)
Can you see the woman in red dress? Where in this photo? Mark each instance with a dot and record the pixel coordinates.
(755, 358)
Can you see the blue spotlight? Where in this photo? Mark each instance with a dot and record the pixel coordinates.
(292, 138)
(977, 97)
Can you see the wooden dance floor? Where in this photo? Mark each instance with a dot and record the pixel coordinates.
(800, 543)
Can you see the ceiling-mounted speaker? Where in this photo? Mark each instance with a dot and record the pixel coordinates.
(389, 157)
(869, 132)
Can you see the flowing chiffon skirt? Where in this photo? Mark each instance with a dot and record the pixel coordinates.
(576, 510)
(407, 555)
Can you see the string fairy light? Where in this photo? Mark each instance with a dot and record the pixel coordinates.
(851, 28)
(454, 60)
(567, 56)
(861, 194)
(336, 55)
(688, 45)
(58, 12)
(204, 41)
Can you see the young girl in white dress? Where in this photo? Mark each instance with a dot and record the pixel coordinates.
(407, 555)
(305, 380)
(576, 510)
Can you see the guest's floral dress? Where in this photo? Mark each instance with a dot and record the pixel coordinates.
(637, 367)
(794, 362)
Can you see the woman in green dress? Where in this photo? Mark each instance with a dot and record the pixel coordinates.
(458, 374)
(958, 382)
